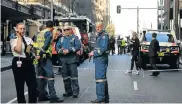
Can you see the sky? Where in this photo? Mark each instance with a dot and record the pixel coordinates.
(127, 19)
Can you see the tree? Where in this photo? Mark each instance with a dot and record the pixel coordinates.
(110, 29)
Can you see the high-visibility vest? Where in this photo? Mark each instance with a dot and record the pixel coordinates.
(54, 52)
(123, 43)
(39, 43)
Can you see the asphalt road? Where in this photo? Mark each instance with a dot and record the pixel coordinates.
(123, 88)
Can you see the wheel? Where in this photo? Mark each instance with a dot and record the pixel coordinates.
(175, 65)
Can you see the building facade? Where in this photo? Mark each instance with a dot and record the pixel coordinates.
(168, 16)
(101, 10)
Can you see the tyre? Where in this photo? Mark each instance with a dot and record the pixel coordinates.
(175, 65)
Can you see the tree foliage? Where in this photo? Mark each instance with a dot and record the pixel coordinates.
(110, 29)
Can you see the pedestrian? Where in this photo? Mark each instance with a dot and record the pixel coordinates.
(134, 52)
(22, 65)
(154, 48)
(45, 67)
(100, 55)
(119, 45)
(67, 48)
(55, 58)
(123, 45)
(41, 85)
(112, 43)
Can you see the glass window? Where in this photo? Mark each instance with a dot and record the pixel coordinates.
(160, 37)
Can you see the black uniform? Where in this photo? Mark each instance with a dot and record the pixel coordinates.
(112, 43)
(135, 53)
(119, 45)
(153, 49)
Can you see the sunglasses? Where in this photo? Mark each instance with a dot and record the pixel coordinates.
(66, 29)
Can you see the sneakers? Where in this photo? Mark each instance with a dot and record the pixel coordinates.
(138, 72)
(56, 100)
(75, 96)
(130, 71)
(68, 94)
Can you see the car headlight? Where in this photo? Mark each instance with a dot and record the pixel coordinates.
(174, 48)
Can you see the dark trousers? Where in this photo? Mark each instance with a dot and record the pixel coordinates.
(153, 62)
(25, 73)
(123, 50)
(56, 62)
(70, 78)
(134, 59)
(112, 49)
(119, 49)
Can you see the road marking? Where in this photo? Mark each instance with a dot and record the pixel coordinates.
(165, 70)
(135, 85)
(11, 101)
(86, 90)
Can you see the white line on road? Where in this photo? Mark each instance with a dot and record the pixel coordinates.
(135, 85)
(85, 91)
(11, 101)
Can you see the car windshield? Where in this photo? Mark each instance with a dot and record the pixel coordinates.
(161, 37)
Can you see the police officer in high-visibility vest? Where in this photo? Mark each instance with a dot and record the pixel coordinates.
(123, 43)
(67, 48)
(45, 67)
(43, 83)
(100, 55)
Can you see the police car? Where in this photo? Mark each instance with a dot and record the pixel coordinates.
(169, 50)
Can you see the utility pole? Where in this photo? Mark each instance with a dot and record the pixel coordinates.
(138, 20)
(52, 10)
(168, 14)
(161, 5)
(175, 17)
(157, 14)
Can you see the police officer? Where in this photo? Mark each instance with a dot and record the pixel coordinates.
(67, 48)
(153, 49)
(45, 67)
(100, 55)
(134, 52)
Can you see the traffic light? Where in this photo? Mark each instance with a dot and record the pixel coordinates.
(118, 9)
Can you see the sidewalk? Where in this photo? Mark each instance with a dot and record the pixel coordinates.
(6, 62)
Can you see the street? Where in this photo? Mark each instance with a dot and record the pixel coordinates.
(123, 88)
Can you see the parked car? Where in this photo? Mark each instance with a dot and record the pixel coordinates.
(169, 49)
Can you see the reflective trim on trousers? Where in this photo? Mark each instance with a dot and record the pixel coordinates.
(74, 78)
(101, 80)
(66, 78)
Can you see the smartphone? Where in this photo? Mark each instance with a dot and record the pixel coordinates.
(16, 30)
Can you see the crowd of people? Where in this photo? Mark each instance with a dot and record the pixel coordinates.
(34, 59)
